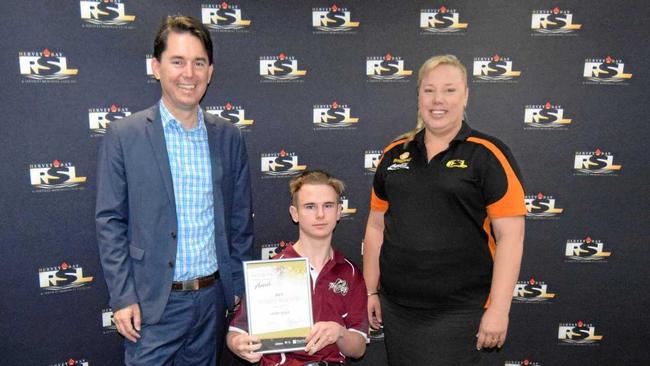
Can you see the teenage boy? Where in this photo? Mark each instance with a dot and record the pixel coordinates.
(339, 298)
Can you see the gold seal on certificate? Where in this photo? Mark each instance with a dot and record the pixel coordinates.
(278, 303)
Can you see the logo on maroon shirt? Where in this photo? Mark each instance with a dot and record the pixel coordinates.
(339, 286)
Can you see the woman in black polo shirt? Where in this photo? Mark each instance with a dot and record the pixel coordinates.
(445, 230)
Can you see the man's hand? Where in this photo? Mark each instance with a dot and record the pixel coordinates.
(244, 346)
(374, 311)
(493, 329)
(127, 321)
(323, 334)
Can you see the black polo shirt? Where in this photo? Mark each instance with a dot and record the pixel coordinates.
(438, 244)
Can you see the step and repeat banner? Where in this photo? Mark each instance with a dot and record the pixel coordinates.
(326, 85)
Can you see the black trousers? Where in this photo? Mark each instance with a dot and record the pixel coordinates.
(430, 337)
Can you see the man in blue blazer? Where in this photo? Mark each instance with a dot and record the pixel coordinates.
(174, 211)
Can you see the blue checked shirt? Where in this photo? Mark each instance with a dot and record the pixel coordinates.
(189, 160)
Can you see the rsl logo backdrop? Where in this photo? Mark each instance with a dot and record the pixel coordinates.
(605, 71)
(270, 250)
(332, 20)
(280, 68)
(282, 164)
(62, 278)
(541, 206)
(333, 115)
(56, 175)
(45, 66)
(346, 210)
(586, 250)
(72, 362)
(223, 17)
(386, 68)
(100, 118)
(553, 22)
(524, 362)
(371, 160)
(595, 163)
(579, 333)
(105, 13)
(108, 322)
(494, 69)
(546, 116)
(235, 114)
(441, 21)
(532, 291)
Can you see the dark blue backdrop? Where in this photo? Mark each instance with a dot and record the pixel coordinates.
(575, 117)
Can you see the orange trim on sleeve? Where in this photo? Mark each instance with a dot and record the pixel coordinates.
(492, 245)
(512, 202)
(377, 203)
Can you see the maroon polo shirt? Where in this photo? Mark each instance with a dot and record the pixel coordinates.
(330, 302)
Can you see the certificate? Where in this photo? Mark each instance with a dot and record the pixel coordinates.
(278, 303)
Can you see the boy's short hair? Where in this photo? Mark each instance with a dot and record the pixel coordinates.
(314, 177)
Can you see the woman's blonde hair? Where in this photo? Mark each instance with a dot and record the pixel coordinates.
(427, 66)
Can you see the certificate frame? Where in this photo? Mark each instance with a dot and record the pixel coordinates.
(278, 303)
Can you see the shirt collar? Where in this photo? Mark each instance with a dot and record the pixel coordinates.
(289, 252)
(462, 135)
(168, 119)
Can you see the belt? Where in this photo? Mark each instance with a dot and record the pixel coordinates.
(317, 363)
(195, 284)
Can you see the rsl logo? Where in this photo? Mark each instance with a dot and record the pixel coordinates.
(524, 362)
(595, 163)
(333, 115)
(282, 164)
(586, 250)
(105, 13)
(62, 278)
(235, 114)
(100, 118)
(108, 323)
(547, 116)
(280, 68)
(553, 22)
(45, 66)
(386, 68)
(371, 160)
(270, 250)
(605, 71)
(531, 291)
(541, 206)
(494, 69)
(53, 176)
(151, 78)
(441, 21)
(334, 19)
(72, 362)
(223, 17)
(346, 210)
(579, 333)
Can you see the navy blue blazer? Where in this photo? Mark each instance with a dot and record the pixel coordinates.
(135, 213)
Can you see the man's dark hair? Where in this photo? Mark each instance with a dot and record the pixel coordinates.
(181, 24)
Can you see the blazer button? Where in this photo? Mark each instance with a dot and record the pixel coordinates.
(171, 265)
(173, 234)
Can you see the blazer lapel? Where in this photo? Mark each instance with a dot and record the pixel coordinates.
(215, 146)
(216, 156)
(157, 139)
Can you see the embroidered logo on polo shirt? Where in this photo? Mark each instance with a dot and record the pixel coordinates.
(339, 287)
(456, 163)
(402, 162)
